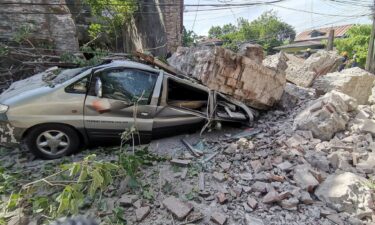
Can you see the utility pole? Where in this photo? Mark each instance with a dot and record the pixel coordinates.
(370, 55)
(331, 39)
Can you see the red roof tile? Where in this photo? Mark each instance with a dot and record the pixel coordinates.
(339, 32)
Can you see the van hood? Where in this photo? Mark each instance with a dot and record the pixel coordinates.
(39, 83)
(22, 87)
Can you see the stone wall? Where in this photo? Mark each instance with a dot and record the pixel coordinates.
(173, 21)
(50, 30)
(222, 70)
(156, 27)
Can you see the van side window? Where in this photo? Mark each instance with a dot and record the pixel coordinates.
(78, 87)
(128, 85)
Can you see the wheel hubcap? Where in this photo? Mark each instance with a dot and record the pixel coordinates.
(53, 142)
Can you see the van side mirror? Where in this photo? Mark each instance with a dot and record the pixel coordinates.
(98, 88)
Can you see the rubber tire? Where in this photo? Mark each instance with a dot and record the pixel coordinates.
(30, 140)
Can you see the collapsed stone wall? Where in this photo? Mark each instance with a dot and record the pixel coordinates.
(223, 70)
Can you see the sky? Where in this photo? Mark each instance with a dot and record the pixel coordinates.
(289, 11)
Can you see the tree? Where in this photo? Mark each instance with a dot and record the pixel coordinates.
(188, 38)
(215, 32)
(267, 30)
(111, 15)
(357, 41)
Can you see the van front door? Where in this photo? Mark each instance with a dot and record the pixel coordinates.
(124, 101)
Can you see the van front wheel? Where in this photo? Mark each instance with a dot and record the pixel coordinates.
(52, 141)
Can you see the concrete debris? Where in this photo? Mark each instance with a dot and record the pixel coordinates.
(219, 176)
(327, 115)
(367, 165)
(285, 166)
(178, 208)
(305, 198)
(230, 73)
(335, 219)
(355, 82)
(304, 179)
(367, 125)
(222, 198)
(277, 62)
(318, 64)
(317, 160)
(142, 213)
(252, 202)
(250, 220)
(180, 162)
(271, 197)
(294, 94)
(290, 204)
(346, 192)
(261, 187)
(252, 51)
(127, 200)
(219, 218)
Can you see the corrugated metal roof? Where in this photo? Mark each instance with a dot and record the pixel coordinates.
(340, 31)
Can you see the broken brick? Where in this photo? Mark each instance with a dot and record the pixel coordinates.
(219, 218)
(178, 208)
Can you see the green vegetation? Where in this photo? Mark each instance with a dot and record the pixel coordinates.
(189, 38)
(69, 188)
(267, 30)
(96, 58)
(111, 16)
(357, 40)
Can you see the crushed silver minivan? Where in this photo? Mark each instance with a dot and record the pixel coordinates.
(55, 112)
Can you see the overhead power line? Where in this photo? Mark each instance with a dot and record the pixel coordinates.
(317, 13)
(200, 8)
(195, 18)
(153, 4)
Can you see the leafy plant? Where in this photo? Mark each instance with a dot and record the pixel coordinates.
(194, 170)
(95, 30)
(24, 33)
(79, 179)
(356, 42)
(189, 38)
(148, 194)
(4, 50)
(131, 164)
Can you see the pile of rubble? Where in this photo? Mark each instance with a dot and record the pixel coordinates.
(311, 164)
(311, 161)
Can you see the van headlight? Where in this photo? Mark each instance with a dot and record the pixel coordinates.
(3, 108)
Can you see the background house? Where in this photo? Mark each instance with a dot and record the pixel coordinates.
(314, 39)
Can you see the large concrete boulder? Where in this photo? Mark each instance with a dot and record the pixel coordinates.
(252, 51)
(230, 73)
(346, 192)
(326, 115)
(371, 99)
(276, 62)
(318, 64)
(354, 82)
